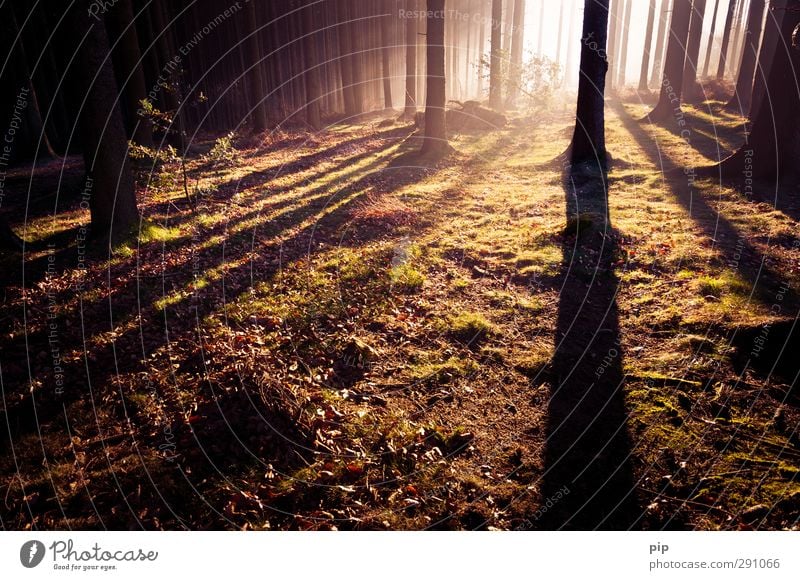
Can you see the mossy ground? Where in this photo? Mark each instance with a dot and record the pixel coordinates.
(343, 336)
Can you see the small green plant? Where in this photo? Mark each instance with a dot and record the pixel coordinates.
(469, 327)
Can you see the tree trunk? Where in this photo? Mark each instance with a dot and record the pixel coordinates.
(613, 40)
(648, 40)
(560, 40)
(766, 58)
(134, 88)
(571, 42)
(109, 179)
(726, 39)
(517, 40)
(743, 93)
(435, 142)
(539, 52)
(312, 72)
(411, 61)
(386, 58)
(588, 139)
(736, 47)
(623, 59)
(690, 87)
(259, 112)
(771, 150)
(495, 66)
(661, 43)
(711, 39)
(669, 100)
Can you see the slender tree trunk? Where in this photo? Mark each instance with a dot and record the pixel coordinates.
(517, 40)
(743, 93)
(669, 100)
(481, 48)
(571, 42)
(736, 48)
(312, 72)
(134, 89)
(613, 40)
(539, 51)
(726, 39)
(648, 40)
(560, 40)
(435, 142)
(623, 60)
(692, 62)
(766, 58)
(588, 140)
(386, 57)
(711, 34)
(661, 42)
(109, 182)
(256, 83)
(772, 147)
(495, 68)
(411, 61)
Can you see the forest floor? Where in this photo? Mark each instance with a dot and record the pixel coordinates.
(341, 336)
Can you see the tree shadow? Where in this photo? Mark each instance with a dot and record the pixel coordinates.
(588, 480)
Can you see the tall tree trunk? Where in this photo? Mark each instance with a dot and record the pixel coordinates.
(661, 42)
(669, 100)
(517, 40)
(726, 39)
(539, 52)
(616, 16)
(435, 142)
(411, 61)
(495, 66)
(171, 100)
(711, 34)
(312, 72)
(386, 57)
(623, 59)
(571, 42)
(736, 47)
(256, 83)
(346, 59)
(588, 139)
(690, 87)
(743, 93)
(648, 40)
(772, 147)
(109, 179)
(766, 58)
(481, 47)
(560, 40)
(134, 88)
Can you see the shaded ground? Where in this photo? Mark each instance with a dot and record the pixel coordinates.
(342, 337)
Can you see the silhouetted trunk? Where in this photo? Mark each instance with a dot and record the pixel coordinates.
(766, 58)
(648, 40)
(588, 139)
(134, 88)
(773, 145)
(109, 182)
(690, 87)
(256, 83)
(517, 40)
(495, 66)
(743, 93)
(711, 39)
(312, 73)
(661, 43)
(669, 100)
(726, 39)
(623, 59)
(386, 57)
(411, 61)
(435, 142)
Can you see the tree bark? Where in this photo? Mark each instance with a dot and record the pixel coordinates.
(669, 100)
(692, 62)
(742, 95)
(613, 40)
(648, 40)
(134, 88)
(312, 72)
(495, 66)
(259, 112)
(711, 39)
(661, 43)
(109, 179)
(411, 61)
(726, 39)
(517, 40)
(435, 142)
(771, 150)
(623, 59)
(588, 139)
(386, 58)
(766, 58)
